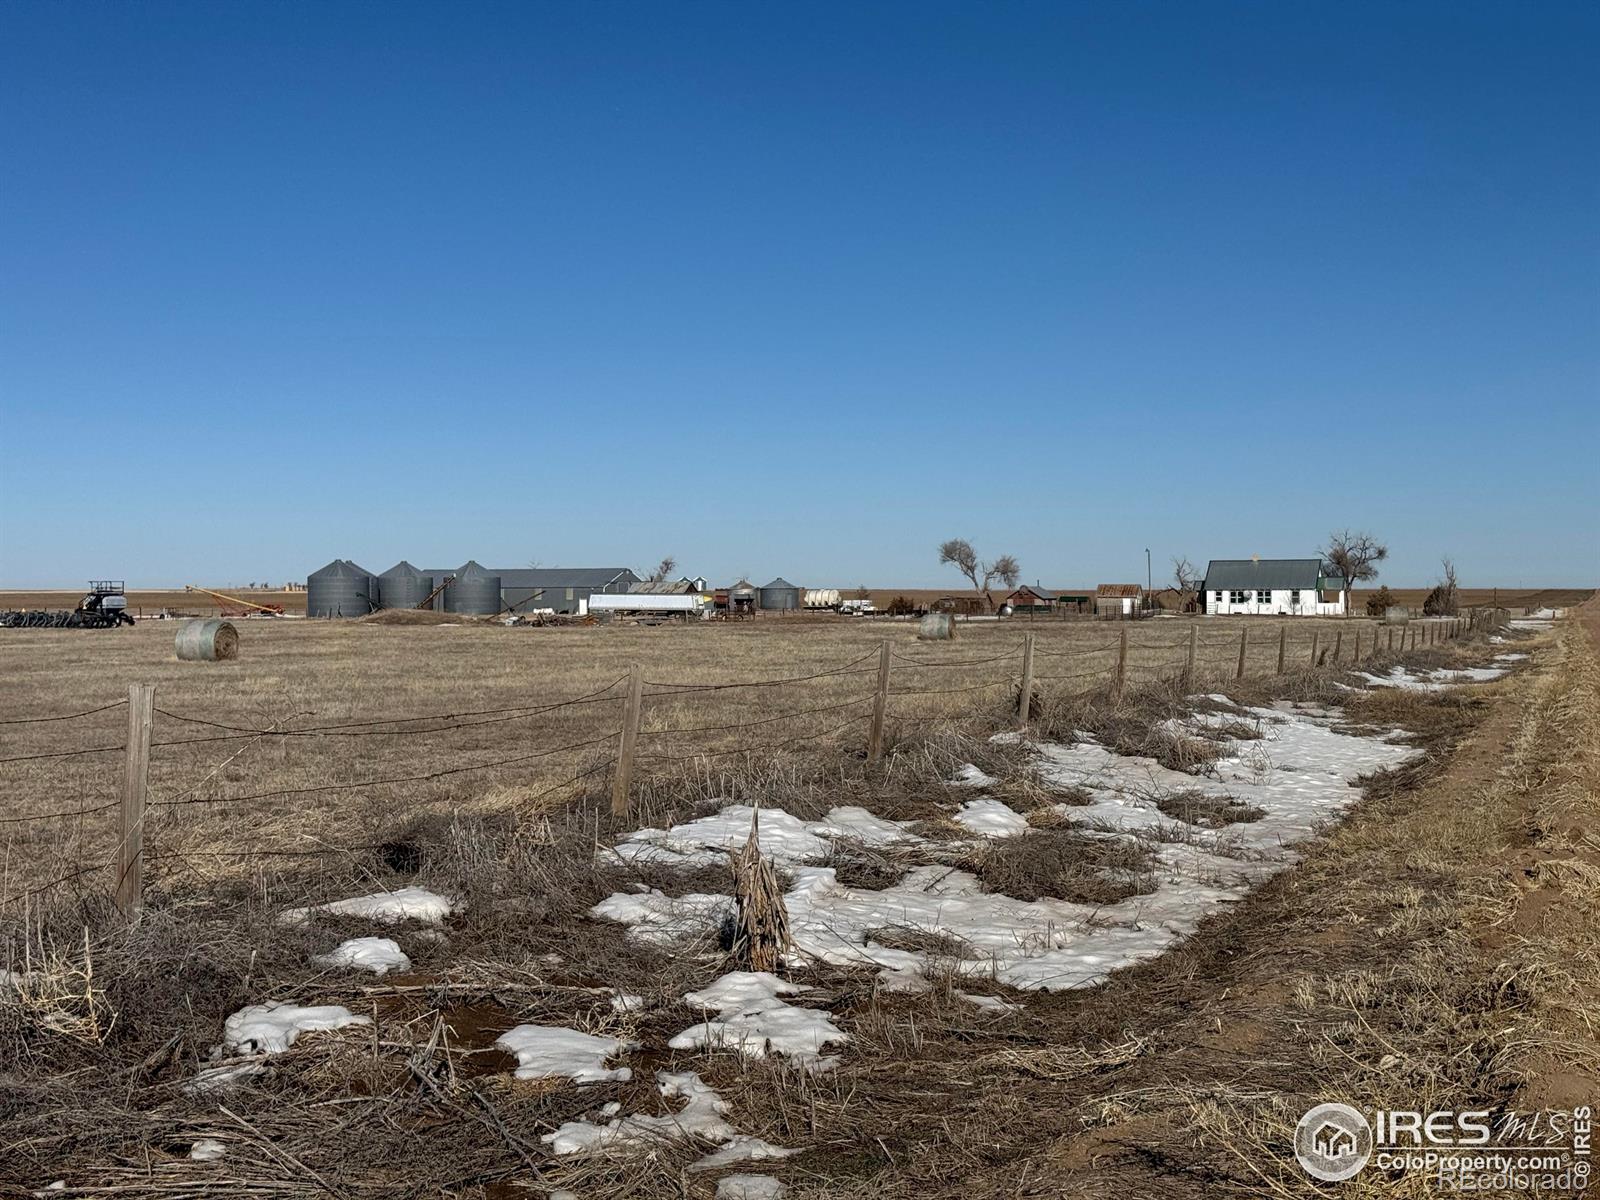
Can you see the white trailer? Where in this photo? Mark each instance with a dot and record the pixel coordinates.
(690, 603)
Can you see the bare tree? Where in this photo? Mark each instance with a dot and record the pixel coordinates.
(1185, 575)
(664, 568)
(862, 593)
(1356, 557)
(958, 552)
(1442, 601)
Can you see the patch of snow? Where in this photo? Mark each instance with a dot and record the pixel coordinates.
(1510, 657)
(989, 818)
(784, 839)
(1431, 681)
(546, 1051)
(271, 1028)
(700, 1117)
(1298, 772)
(207, 1150)
(403, 904)
(971, 776)
(623, 1002)
(741, 1149)
(755, 1020)
(990, 1003)
(749, 1187)
(656, 917)
(375, 954)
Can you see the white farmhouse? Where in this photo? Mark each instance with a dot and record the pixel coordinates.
(1296, 587)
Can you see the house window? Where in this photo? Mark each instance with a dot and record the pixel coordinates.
(1219, 597)
(1294, 596)
(1263, 596)
(1236, 597)
(569, 593)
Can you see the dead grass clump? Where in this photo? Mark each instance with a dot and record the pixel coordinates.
(1142, 723)
(1203, 808)
(932, 942)
(1062, 863)
(865, 868)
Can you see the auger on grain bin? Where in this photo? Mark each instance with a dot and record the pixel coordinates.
(104, 607)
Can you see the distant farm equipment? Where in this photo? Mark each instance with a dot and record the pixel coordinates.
(246, 608)
(105, 606)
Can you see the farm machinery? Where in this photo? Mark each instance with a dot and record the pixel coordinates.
(247, 608)
(104, 607)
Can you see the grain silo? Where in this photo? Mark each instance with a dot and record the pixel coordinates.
(402, 586)
(340, 589)
(780, 596)
(475, 592)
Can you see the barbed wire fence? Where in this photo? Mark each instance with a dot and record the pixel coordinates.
(902, 682)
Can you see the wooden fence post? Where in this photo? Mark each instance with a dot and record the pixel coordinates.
(1338, 645)
(1244, 645)
(880, 706)
(622, 778)
(1355, 652)
(1025, 698)
(1122, 661)
(1316, 636)
(135, 789)
(1283, 645)
(1188, 665)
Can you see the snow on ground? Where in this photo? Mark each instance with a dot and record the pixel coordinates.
(749, 1187)
(1298, 772)
(207, 1150)
(375, 954)
(544, 1051)
(700, 1117)
(988, 817)
(784, 839)
(271, 1028)
(971, 776)
(403, 904)
(992, 1004)
(755, 1020)
(1431, 681)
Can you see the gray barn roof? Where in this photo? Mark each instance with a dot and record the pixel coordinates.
(1248, 574)
(551, 577)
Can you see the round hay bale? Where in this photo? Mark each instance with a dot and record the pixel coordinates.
(207, 641)
(937, 627)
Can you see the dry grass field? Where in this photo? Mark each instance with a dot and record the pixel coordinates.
(1436, 946)
(151, 602)
(426, 704)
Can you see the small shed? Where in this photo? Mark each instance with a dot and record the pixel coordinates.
(1118, 601)
(1031, 600)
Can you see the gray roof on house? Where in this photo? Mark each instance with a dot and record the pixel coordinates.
(551, 577)
(1248, 574)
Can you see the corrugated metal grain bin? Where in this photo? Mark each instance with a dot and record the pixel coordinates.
(403, 586)
(340, 589)
(780, 596)
(474, 593)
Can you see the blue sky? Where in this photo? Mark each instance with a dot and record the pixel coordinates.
(796, 289)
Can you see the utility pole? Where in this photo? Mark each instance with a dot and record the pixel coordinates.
(1149, 579)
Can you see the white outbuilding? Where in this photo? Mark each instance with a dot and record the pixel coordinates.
(1294, 587)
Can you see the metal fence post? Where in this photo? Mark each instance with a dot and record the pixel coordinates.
(622, 779)
(135, 790)
(880, 706)
(1244, 645)
(1188, 665)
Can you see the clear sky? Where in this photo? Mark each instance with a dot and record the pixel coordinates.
(798, 289)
